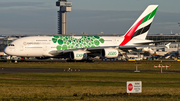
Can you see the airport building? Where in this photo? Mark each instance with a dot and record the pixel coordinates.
(65, 7)
(175, 41)
(4, 41)
(157, 37)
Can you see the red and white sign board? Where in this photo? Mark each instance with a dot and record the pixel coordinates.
(134, 86)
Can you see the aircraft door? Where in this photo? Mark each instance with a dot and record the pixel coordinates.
(45, 48)
(21, 48)
(114, 41)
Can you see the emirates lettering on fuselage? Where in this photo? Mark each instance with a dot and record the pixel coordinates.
(112, 53)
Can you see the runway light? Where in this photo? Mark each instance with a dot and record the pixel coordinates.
(161, 66)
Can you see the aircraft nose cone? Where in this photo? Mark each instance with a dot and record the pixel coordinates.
(7, 51)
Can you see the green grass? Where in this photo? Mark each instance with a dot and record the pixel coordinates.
(97, 65)
(88, 86)
(77, 86)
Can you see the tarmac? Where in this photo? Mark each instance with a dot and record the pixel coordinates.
(30, 70)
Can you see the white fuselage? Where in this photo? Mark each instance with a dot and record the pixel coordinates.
(39, 46)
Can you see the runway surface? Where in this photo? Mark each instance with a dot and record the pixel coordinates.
(94, 61)
(28, 70)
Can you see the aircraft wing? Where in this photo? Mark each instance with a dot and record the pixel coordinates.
(57, 52)
(90, 49)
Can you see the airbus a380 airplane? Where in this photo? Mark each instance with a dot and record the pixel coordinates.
(85, 47)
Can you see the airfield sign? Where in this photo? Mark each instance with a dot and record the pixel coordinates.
(134, 86)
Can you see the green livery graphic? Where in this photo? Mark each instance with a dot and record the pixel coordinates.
(69, 42)
(112, 53)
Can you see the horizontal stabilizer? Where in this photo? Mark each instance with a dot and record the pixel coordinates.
(151, 42)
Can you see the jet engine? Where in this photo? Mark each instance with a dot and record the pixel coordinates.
(78, 55)
(109, 53)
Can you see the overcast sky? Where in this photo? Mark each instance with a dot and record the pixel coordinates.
(18, 17)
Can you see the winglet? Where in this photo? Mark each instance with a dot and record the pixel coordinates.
(168, 45)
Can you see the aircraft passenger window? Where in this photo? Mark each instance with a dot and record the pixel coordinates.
(41, 40)
(107, 40)
(11, 45)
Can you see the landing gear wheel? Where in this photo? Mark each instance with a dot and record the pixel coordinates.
(70, 61)
(90, 60)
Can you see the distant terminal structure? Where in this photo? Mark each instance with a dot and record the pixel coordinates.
(157, 37)
(175, 40)
(65, 7)
(5, 40)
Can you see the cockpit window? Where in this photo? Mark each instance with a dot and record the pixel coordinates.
(11, 45)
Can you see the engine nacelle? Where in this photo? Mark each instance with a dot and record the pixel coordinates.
(109, 53)
(147, 49)
(78, 55)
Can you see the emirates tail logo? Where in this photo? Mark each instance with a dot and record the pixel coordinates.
(130, 33)
(140, 27)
